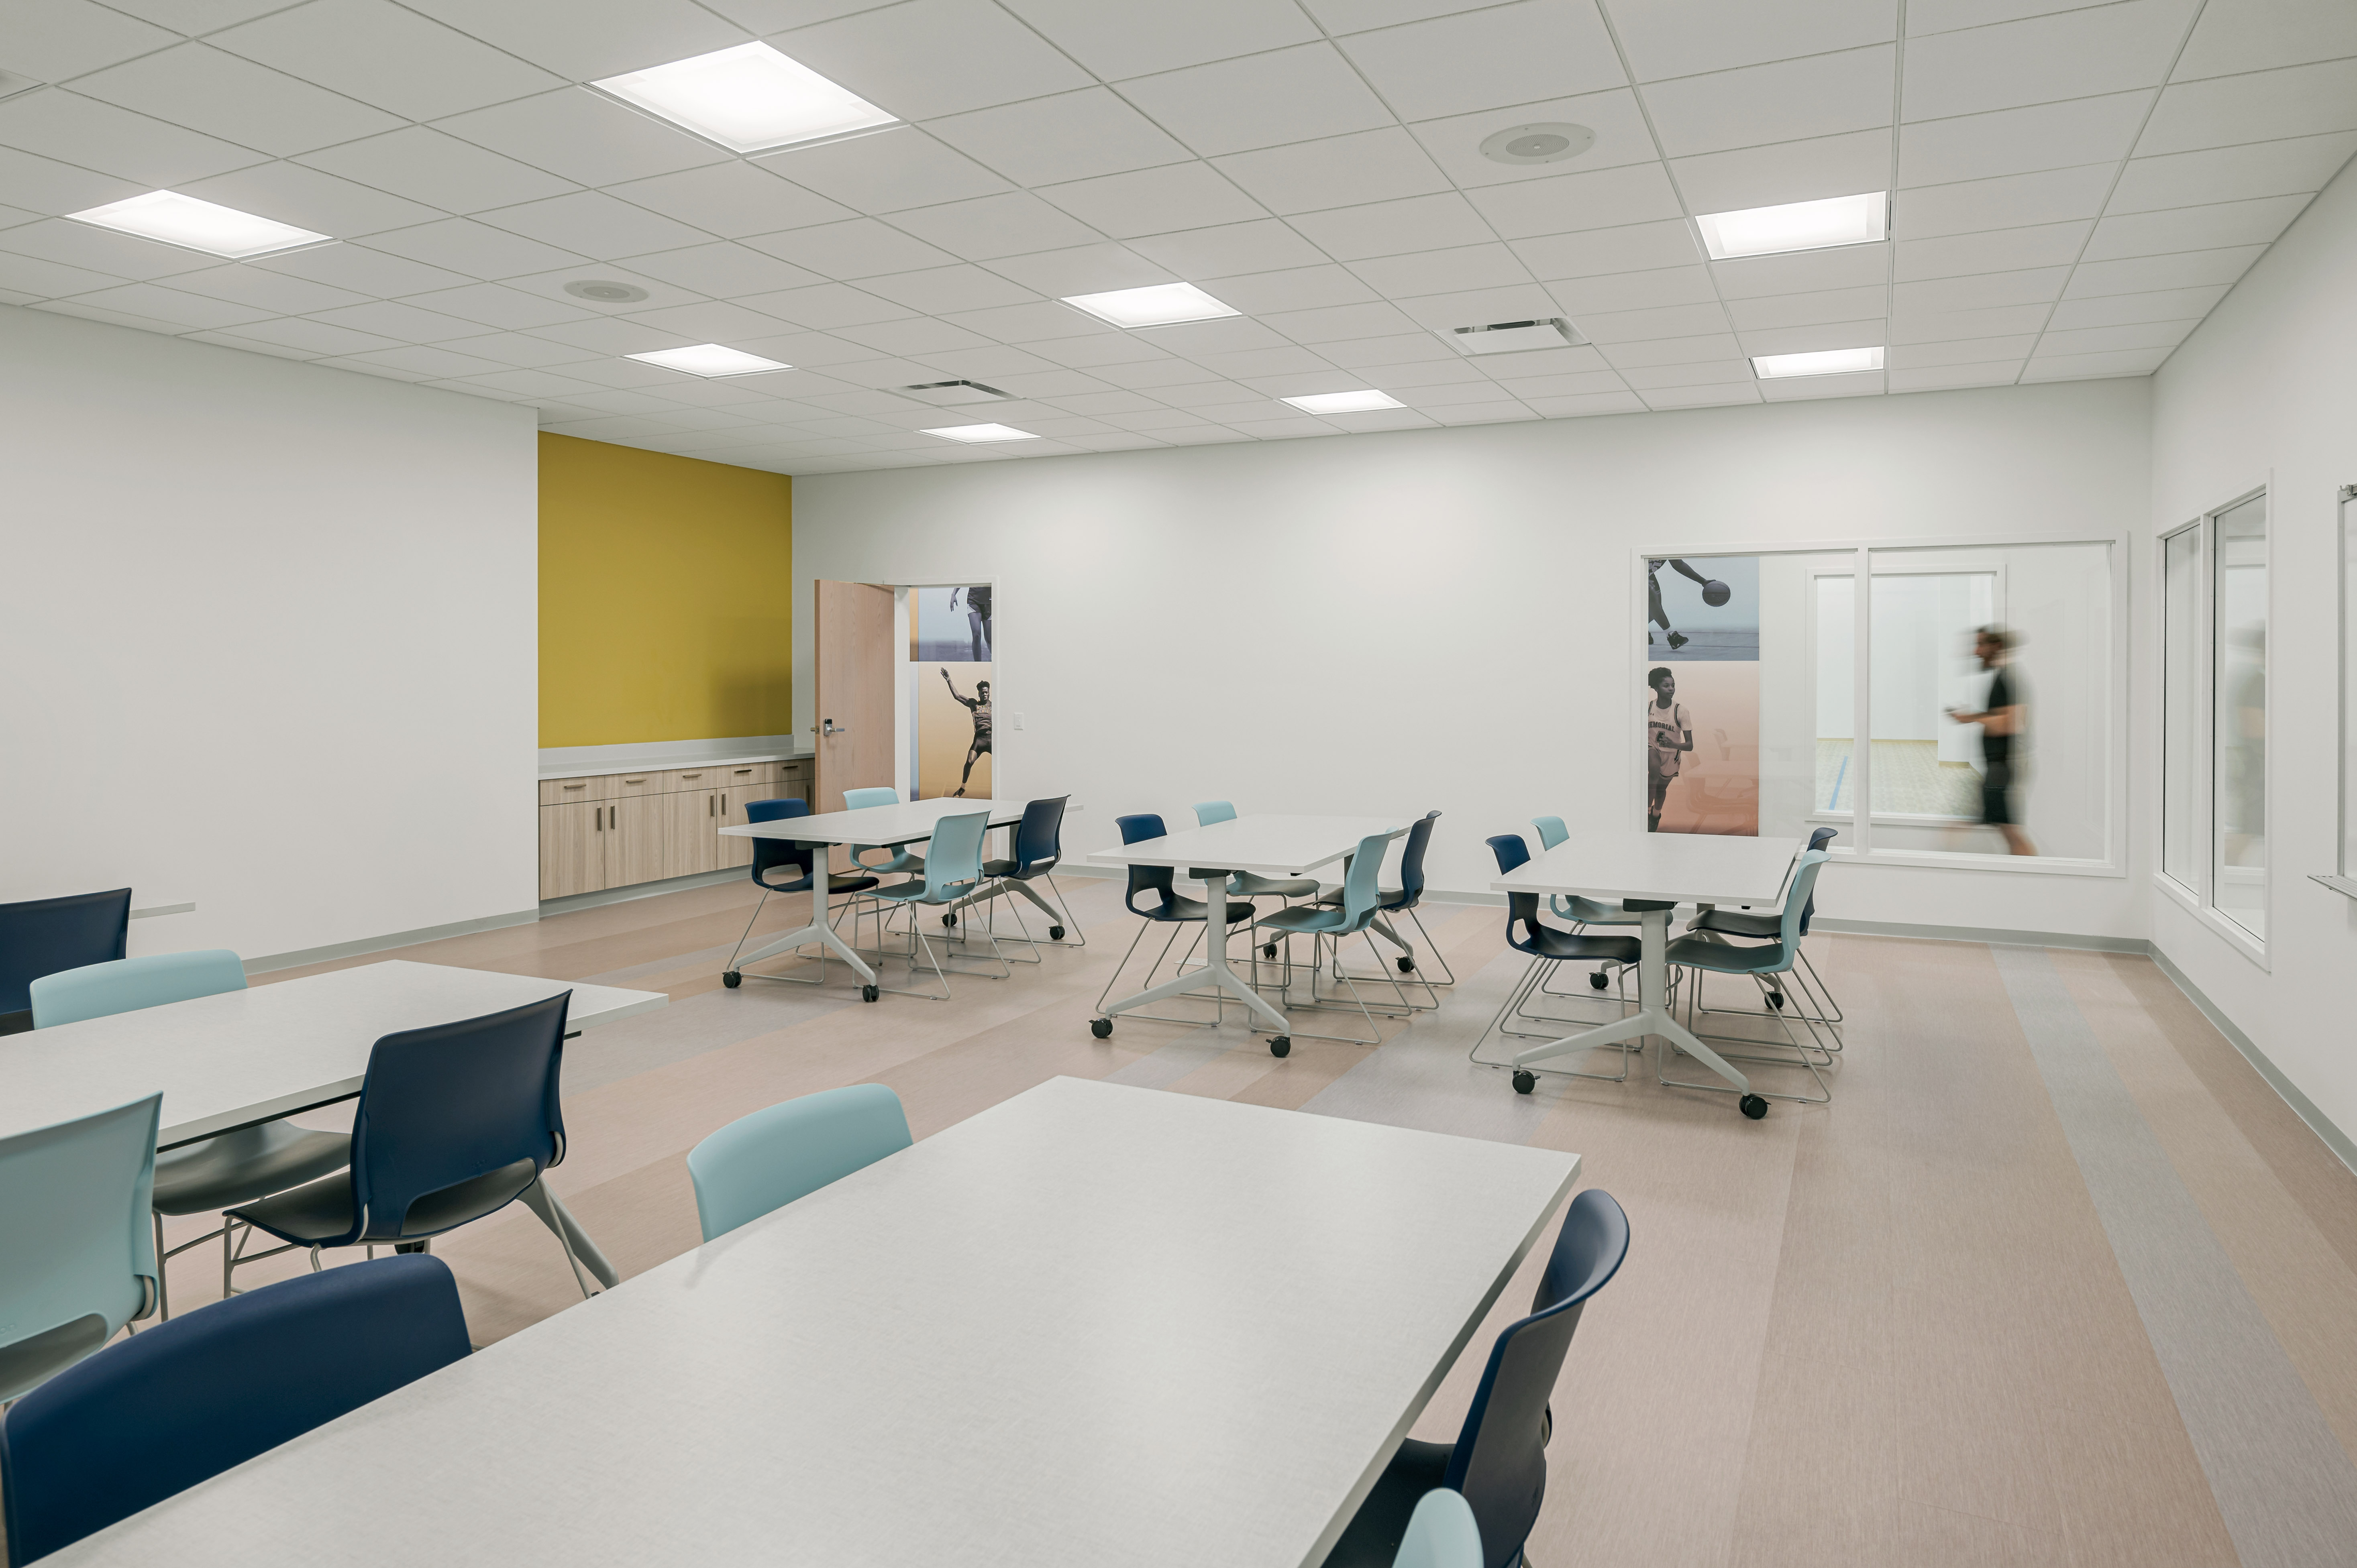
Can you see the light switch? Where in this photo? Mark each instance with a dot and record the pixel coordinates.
(1018, 721)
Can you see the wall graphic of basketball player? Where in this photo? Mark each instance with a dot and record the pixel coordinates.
(1669, 736)
(1714, 592)
(979, 706)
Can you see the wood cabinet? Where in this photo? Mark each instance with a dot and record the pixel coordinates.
(634, 839)
(731, 806)
(572, 849)
(692, 841)
(618, 830)
(572, 791)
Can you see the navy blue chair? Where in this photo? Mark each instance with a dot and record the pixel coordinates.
(1767, 928)
(42, 936)
(1403, 900)
(1038, 846)
(152, 1415)
(1547, 946)
(1499, 1460)
(797, 862)
(455, 1121)
(1165, 908)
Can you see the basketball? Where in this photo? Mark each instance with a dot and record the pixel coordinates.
(1714, 591)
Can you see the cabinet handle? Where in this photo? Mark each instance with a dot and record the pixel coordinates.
(707, 805)
(577, 786)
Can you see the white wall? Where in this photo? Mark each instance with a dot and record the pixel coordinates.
(2265, 392)
(1445, 617)
(269, 642)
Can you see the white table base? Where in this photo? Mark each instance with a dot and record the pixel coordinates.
(1216, 969)
(1651, 1017)
(818, 931)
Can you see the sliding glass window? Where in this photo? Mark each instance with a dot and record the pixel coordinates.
(2181, 718)
(2239, 717)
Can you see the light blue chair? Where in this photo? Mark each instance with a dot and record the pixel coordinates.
(900, 862)
(767, 1160)
(75, 1261)
(1246, 883)
(219, 1173)
(1441, 1533)
(1323, 923)
(1712, 956)
(953, 872)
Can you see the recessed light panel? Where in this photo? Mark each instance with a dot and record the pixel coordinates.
(1824, 362)
(1365, 402)
(1796, 226)
(750, 98)
(978, 433)
(194, 225)
(1514, 336)
(709, 359)
(1163, 305)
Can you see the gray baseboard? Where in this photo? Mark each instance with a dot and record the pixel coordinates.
(392, 939)
(2302, 1107)
(639, 890)
(1992, 935)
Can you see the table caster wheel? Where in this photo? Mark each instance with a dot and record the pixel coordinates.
(949, 920)
(871, 992)
(1775, 999)
(1597, 980)
(731, 979)
(1280, 1045)
(1268, 949)
(1055, 933)
(1101, 1027)
(1406, 964)
(1751, 1105)
(1524, 1081)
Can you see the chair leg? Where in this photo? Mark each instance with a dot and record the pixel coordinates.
(1074, 936)
(163, 1290)
(749, 930)
(564, 1241)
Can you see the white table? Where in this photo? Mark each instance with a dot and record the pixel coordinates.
(248, 1056)
(1269, 845)
(870, 827)
(1092, 1325)
(1665, 869)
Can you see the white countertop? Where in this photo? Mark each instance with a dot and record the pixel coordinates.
(1268, 845)
(664, 764)
(1699, 868)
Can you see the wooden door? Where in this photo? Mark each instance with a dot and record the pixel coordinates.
(634, 841)
(852, 639)
(731, 814)
(572, 849)
(691, 831)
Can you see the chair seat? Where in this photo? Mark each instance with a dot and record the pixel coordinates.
(1386, 898)
(1251, 884)
(1737, 923)
(1174, 908)
(837, 882)
(1372, 1538)
(913, 892)
(1308, 921)
(1545, 941)
(37, 1358)
(1601, 912)
(241, 1167)
(1016, 869)
(1698, 952)
(320, 1213)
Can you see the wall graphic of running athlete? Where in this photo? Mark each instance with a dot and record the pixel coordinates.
(1702, 694)
(979, 706)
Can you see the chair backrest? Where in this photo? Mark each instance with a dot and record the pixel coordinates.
(446, 1103)
(1441, 1533)
(1144, 878)
(1817, 840)
(1039, 837)
(767, 1160)
(127, 985)
(1551, 830)
(770, 853)
(189, 1398)
(1514, 850)
(1359, 882)
(1499, 1459)
(953, 860)
(79, 1255)
(1412, 861)
(860, 799)
(1800, 901)
(42, 936)
(1210, 812)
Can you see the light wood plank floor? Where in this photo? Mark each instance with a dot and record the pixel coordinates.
(1889, 1331)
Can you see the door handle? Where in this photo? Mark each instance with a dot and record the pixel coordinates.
(833, 728)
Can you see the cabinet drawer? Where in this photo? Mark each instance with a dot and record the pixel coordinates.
(742, 776)
(680, 779)
(625, 785)
(796, 772)
(570, 791)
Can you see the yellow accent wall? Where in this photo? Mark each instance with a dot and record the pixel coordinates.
(666, 593)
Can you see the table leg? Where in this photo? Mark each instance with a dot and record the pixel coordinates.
(1215, 969)
(817, 931)
(559, 1219)
(1652, 1016)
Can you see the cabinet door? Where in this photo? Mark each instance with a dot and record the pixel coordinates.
(572, 849)
(634, 841)
(691, 831)
(737, 852)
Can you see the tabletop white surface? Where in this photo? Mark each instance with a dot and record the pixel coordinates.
(1092, 1325)
(1705, 868)
(246, 1056)
(1269, 845)
(869, 826)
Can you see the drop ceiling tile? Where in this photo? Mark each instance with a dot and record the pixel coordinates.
(1992, 250)
(1646, 353)
(1701, 373)
(2044, 59)
(1106, 353)
(2237, 36)
(249, 345)
(582, 136)
(990, 364)
(2116, 309)
(1267, 245)
(311, 200)
(1963, 351)
(2299, 101)
(1847, 266)
(474, 249)
(550, 286)
(2015, 201)
(1401, 349)
(1193, 340)
(1015, 223)
(362, 270)
(438, 363)
(1263, 101)
(1811, 310)
(1791, 101)
(2021, 141)
(731, 199)
(2088, 367)
(586, 39)
(220, 94)
(1607, 199)
(1943, 326)
(886, 172)
(61, 38)
(1635, 291)
(1687, 37)
(1621, 138)
(100, 250)
(1457, 270)
(940, 290)
(1040, 323)
(723, 270)
(827, 304)
(524, 352)
(1522, 53)
(1477, 307)
(1097, 404)
(273, 294)
(1396, 228)
(1634, 247)
(808, 349)
(1083, 268)
(188, 311)
(1943, 378)
(44, 185)
(1339, 323)
(55, 123)
(1220, 393)
(1050, 141)
(592, 223)
(1155, 201)
(404, 323)
(2204, 228)
(385, 55)
(2139, 274)
(1814, 337)
(709, 321)
(1573, 383)
(624, 403)
(1118, 38)
(1608, 327)
(441, 171)
(930, 57)
(1143, 374)
(2296, 165)
(2105, 339)
(112, 317)
(1293, 288)
(616, 337)
(1435, 400)
(1585, 405)
(12, 216)
(1788, 171)
(860, 247)
(530, 384)
(1986, 291)
(1716, 396)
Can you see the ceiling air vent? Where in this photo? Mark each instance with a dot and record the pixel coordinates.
(950, 393)
(1515, 336)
